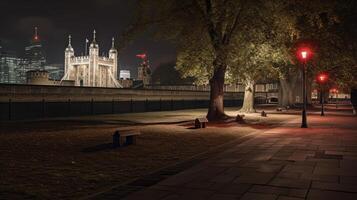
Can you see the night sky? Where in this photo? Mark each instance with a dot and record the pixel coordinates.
(56, 19)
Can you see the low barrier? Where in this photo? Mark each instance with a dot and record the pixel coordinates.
(47, 109)
(21, 102)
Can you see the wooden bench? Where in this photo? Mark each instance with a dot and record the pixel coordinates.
(125, 137)
(201, 122)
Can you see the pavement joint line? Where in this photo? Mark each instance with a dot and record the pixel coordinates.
(194, 159)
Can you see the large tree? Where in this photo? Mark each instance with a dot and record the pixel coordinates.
(261, 50)
(239, 40)
(204, 33)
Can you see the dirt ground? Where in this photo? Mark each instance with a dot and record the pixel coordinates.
(68, 159)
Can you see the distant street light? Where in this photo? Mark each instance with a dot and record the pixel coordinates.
(304, 54)
(336, 91)
(322, 79)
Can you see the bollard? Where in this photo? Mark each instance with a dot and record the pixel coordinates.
(264, 114)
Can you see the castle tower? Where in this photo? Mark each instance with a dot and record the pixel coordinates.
(92, 70)
(93, 61)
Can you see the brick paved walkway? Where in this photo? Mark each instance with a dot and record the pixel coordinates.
(286, 163)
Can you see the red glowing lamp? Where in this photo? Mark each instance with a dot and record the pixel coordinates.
(304, 54)
(322, 78)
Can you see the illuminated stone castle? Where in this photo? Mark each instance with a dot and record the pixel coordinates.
(91, 70)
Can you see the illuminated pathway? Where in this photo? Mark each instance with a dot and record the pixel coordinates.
(286, 163)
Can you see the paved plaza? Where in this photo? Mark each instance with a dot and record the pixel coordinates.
(284, 163)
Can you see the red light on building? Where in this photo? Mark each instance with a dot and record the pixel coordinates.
(141, 56)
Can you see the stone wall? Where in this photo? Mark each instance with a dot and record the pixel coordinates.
(21, 102)
(30, 93)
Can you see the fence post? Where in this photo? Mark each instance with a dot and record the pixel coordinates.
(10, 109)
(43, 108)
(69, 107)
(92, 106)
(113, 106)
(160, 104)
(172, 104)
(131, 105)
(266, 97)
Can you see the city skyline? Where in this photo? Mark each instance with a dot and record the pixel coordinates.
(110, 18)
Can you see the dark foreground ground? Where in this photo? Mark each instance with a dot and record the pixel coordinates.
(73, 158)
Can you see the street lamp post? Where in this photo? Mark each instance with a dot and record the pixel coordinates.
(304, 55)
(304, 117)
(322, 79)
(336, 99)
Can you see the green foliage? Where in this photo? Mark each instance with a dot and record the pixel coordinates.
(256, 39)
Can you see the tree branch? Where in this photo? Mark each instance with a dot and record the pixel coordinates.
(227, 37)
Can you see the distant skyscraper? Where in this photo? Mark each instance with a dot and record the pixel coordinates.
(10, 67)
(13, 68)
(124, 74)
(34, 58)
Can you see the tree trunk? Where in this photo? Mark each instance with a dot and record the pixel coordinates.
(286, 97)
(216, 104)
(248, 102)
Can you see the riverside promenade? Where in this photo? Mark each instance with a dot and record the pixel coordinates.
(284, 163)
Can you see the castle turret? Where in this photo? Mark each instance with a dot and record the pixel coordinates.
(69, 53)
(93, 60)
(94, 48)
(113, 54)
